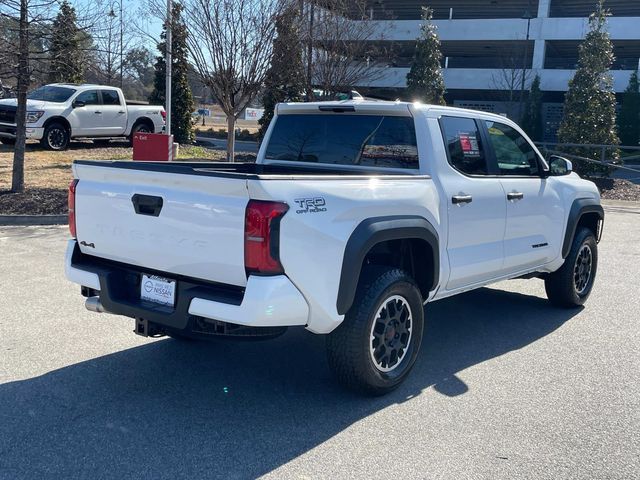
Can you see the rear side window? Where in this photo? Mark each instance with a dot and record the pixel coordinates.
(463, 142)
(110, 97)
(344, 139)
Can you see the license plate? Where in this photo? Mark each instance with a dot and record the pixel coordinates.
(158, 290)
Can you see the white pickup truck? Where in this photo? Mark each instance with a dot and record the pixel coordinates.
(355, 215)
(57, 113)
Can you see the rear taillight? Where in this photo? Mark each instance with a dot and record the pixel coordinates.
(262, 237)
(72, 207)
(164, 115)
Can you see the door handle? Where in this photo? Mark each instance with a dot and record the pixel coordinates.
(513, 196)
(98, 113)
(121, 112)
(461, 199)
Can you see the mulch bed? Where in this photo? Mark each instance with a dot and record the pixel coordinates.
(616, 189)
(34, 201)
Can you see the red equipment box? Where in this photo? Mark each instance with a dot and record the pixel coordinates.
(151, 147)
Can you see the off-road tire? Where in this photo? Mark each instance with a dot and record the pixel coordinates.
(349, 346)
(561, 286)
(56, 137)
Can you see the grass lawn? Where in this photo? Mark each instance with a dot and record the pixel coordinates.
(47, 174)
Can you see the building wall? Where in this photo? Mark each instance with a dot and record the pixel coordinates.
(542, 31)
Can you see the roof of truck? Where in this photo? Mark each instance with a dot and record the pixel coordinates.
(377, 106)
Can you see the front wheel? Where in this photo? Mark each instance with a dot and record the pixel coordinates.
(377, 344)
(56, 137)
(571, 285)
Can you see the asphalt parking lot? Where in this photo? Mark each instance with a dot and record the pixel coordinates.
(506, 387)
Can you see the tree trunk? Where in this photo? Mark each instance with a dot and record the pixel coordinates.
(231, 137)
(17, 181)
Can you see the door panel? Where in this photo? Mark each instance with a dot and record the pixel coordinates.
(534, 224)
(535, 212)
(476, 206)
(84, 120)
(114, 114)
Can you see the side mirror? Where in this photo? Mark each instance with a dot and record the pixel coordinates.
(559, 166)
(78, 104)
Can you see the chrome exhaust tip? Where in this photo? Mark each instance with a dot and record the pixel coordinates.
(93, 304)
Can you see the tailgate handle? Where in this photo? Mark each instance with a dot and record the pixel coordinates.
(147, 204)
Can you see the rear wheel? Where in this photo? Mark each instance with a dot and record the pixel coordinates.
(139, 128)
(571, 285)
(56, 137)
(377, 344)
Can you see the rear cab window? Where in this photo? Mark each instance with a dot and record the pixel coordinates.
(463, 140)
(383, 141)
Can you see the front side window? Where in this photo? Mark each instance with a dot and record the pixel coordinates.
(463, 142)
(89, 97)
(345, 139)
(110, 97)
(52, 94)
(514, 154)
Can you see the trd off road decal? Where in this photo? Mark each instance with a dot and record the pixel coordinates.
(310, 205)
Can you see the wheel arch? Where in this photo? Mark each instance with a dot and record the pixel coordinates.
(408, 242)
(144, 121)
(584, 212)
(61, 120)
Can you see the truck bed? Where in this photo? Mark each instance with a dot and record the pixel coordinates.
(246, 171)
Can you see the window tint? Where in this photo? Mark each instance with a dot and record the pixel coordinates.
(110, 97)
(462, 139)
(345, 139)
(514, 154)
(89, 97)
(51, 94)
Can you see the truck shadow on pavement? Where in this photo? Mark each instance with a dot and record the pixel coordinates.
(174, 409)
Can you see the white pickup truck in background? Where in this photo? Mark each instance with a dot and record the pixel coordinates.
(57, 113)
(355, 215)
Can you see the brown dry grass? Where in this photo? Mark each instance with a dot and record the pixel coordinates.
(47, 174)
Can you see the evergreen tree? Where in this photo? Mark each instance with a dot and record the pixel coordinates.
(629, 120)
(182, 104)
(284, 81)
(65, 49)
(590, 103)
(532, 118)
(424, 80)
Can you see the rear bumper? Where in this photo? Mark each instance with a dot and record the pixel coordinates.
(264, 302)
(9, 131)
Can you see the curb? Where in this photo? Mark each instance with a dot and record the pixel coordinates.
(23, 220)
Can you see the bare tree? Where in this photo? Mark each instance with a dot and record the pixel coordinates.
(345, 47)
(509, 78)
(231, 45)
(21, 16)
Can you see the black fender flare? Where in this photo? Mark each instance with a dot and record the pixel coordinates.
(373, 231)
(58, 119)
(579, 207)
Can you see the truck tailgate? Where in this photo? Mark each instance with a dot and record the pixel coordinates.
(176, 223)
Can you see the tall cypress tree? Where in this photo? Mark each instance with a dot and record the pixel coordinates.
(590, 103)
(532, 119)
(65, 51)
(629, 120)
(424, 80)
(182, 104)
(285, 79)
